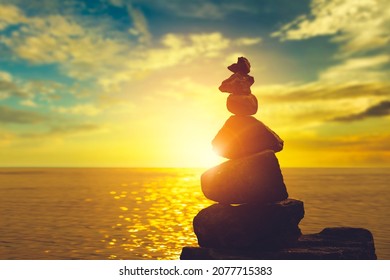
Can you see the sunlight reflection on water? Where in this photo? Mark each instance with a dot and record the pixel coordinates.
(159, 222)
(148, 213)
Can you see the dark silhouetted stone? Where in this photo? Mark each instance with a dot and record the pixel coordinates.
(242, 136)
(237, 84)
(249, 225)
(242, 104)
(330, 244)
(242, 66)
(252, 179)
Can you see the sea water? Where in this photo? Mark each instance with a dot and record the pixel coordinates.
(129, 213)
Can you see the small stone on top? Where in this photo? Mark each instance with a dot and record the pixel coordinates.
(242, 66)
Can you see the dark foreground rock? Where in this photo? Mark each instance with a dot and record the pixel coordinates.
(252, 179)
(248, 225)
(242, 136)
(342, 243)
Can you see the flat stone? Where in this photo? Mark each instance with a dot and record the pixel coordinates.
(242, 136)
(237, 84)
(242, 66)
(343, 243)
(252, 179)
(272, 225)
(244, 105)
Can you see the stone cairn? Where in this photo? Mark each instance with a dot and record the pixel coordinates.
(254, 218)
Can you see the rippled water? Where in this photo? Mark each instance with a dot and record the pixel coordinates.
(147, 213)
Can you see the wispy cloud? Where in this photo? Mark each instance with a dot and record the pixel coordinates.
(176, 49)
(381, 109)
(89, 54)
(10, 88)
(311, 106)
(140, 25)
(360, 29)
(79, 109)
(318, 91)
(359, 25)
(11, 115)
(29, 92)
(200, 9)
(28, 103)
(10, 15)
(62, 131)
(367, 69)
(351, 143)
(248, 41)
(74, 128)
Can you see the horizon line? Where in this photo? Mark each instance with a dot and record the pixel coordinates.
(181, 167)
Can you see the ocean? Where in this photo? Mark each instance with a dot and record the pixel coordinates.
(130, 213)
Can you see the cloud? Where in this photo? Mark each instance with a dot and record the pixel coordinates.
(10, 88)
(10, 15)
(27, 90)
(345, 143)
(44, 7)
(80, 109)
(28, 103)
(200, 9)
(176, 49)
(108, 58)
(190, 47)
(51, 39)
(73, 128)
(62, 131)
(140, 25)
(310, 106)
(381, 109)
(11, 115)
(247, 41)
(81, 52)
(358, 69)
(116, 3)
(320, 91)
(360, 25)
(5, 76)
(359, 28)
(45, 90)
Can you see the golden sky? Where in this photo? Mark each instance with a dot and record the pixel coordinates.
(117, 83)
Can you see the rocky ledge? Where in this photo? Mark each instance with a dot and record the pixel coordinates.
(340, 243)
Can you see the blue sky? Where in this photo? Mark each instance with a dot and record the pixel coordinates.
(138, 81)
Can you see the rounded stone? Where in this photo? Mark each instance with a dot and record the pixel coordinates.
(252, 179)
(243, 105)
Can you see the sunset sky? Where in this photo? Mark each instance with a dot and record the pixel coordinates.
(117, 83)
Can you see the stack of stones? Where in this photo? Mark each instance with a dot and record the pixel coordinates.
(252, 210)
(253, 217)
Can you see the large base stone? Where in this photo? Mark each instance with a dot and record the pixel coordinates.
(249, 226)
(253, 179)
(242, 136)
(330, 244)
